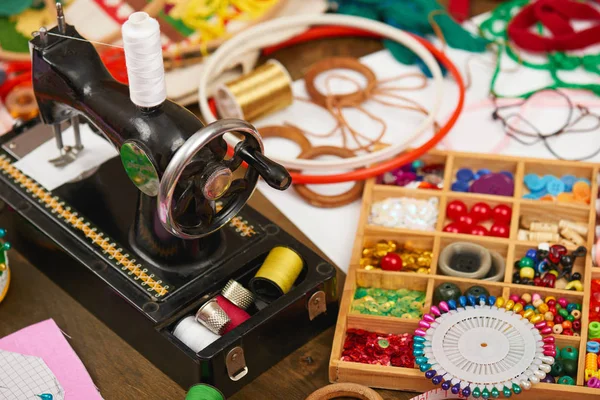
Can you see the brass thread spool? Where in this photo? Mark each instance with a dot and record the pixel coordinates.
(21, 103)
(278, 273)
(261, 92)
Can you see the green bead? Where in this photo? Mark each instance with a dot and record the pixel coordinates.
(570, 318)
(566, 380)
(402, 292)
(485, 394)
(506, 392)
(381, 299)
(557, 367)
(570, 367)
(516, 388)
(424, 367)
(477, 291)
(446, 291)
(383, 343)
(569, 353)
(360, 293)
(526, 262)
(476, 393)
(563, 313)
(495, 393)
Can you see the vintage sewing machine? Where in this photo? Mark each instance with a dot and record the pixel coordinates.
(146, 239)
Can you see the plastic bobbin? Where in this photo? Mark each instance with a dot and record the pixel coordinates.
(144, 60)
(193, 334)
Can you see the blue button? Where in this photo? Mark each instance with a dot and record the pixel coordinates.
(460, 186)
(533, 182)
(569, 181)
(531, 253)
(531, 196)
(508, 174)
(464, 174)
(483, 171)
(554, 186)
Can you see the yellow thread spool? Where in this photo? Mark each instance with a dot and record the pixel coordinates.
(278, 273)
(261, 92)
(591, 361)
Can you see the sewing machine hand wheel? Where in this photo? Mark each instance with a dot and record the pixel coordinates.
(198, 176)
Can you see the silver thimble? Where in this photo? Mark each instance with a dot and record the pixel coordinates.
(212, 316)
(237, 294)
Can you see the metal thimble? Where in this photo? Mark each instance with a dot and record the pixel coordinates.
(213, 317)
(237, 294)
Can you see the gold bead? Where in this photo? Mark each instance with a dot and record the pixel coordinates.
(528, 314)
(423, 270)
(369, 267)
(381, 253)
(509, 305)
(536, 318)
(423, 261)
(500, 302)
(2, 267)
(518, 307)
(367, 252)
(392, 245)
(382, 246)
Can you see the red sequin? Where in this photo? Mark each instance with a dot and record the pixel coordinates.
(378, 348)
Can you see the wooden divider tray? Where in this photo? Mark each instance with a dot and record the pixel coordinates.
(411, 379)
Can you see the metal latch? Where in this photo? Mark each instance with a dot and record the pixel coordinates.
(236, 364)
(317, 304)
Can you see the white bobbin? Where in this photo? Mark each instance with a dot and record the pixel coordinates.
(144, 60)
(193, 334)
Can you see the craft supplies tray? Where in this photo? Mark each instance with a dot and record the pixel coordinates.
(85, 236)
(466, 219)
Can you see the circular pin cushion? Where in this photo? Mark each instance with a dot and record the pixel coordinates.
(481, 350)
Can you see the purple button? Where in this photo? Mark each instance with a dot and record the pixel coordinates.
(497, 184)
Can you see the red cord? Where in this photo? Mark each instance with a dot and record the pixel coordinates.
(556, 16)
(404, 158)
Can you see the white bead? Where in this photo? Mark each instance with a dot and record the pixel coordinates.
(534, 379)
(545, 367)
(540, 374)
(547, 360)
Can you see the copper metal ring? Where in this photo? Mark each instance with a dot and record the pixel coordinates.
(352, 390)
(287, 132)
(20, 103)
(327, 64)
(337, 200)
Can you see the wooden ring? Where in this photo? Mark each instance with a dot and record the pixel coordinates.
(338, 200)
(21, 103)
(287, 132)
(352, 390)
(327, 64)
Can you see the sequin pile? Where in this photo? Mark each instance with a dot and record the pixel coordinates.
(400, 303)
(405, 212)
(379, 348)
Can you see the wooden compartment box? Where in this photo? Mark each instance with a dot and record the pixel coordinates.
(411, 379)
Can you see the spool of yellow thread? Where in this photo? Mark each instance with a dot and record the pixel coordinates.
(591, 361)
(261, 92)
(278, 273)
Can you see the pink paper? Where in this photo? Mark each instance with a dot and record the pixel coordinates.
(45, 340)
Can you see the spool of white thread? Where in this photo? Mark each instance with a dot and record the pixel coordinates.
(193, 334)
(143, 57)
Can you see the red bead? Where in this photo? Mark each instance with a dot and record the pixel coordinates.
(455, 209)
(576, 325)
(479, 231)
(466, 219)
(558, 319)
(523, 302)
(537, 281)
(502, 214)
(567, 332)
(391, 262)
(551, 303)
(499, 230)
(481, 212)
(552, 309)
(455, 227)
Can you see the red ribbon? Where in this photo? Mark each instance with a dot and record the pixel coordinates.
(556, 16)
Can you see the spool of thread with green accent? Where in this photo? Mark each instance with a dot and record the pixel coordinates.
(594, 330)
(202, 391)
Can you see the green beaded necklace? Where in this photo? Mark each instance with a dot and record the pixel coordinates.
(557, 61)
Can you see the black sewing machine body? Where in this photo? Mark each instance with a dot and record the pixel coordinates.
(101, 240)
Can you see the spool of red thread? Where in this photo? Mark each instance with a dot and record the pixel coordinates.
(235, 314)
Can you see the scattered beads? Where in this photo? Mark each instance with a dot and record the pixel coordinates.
(484, 181)
(378, 348)
(568, 188)
(389, 256)
(541, 267)
(405, 212)
(469, 222)
(416, 175)
(400, 303)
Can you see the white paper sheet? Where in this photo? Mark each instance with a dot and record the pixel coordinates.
(27, 377)
(36, 164)
(333, 230)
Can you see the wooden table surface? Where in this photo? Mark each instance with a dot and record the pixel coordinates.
(118, 370)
